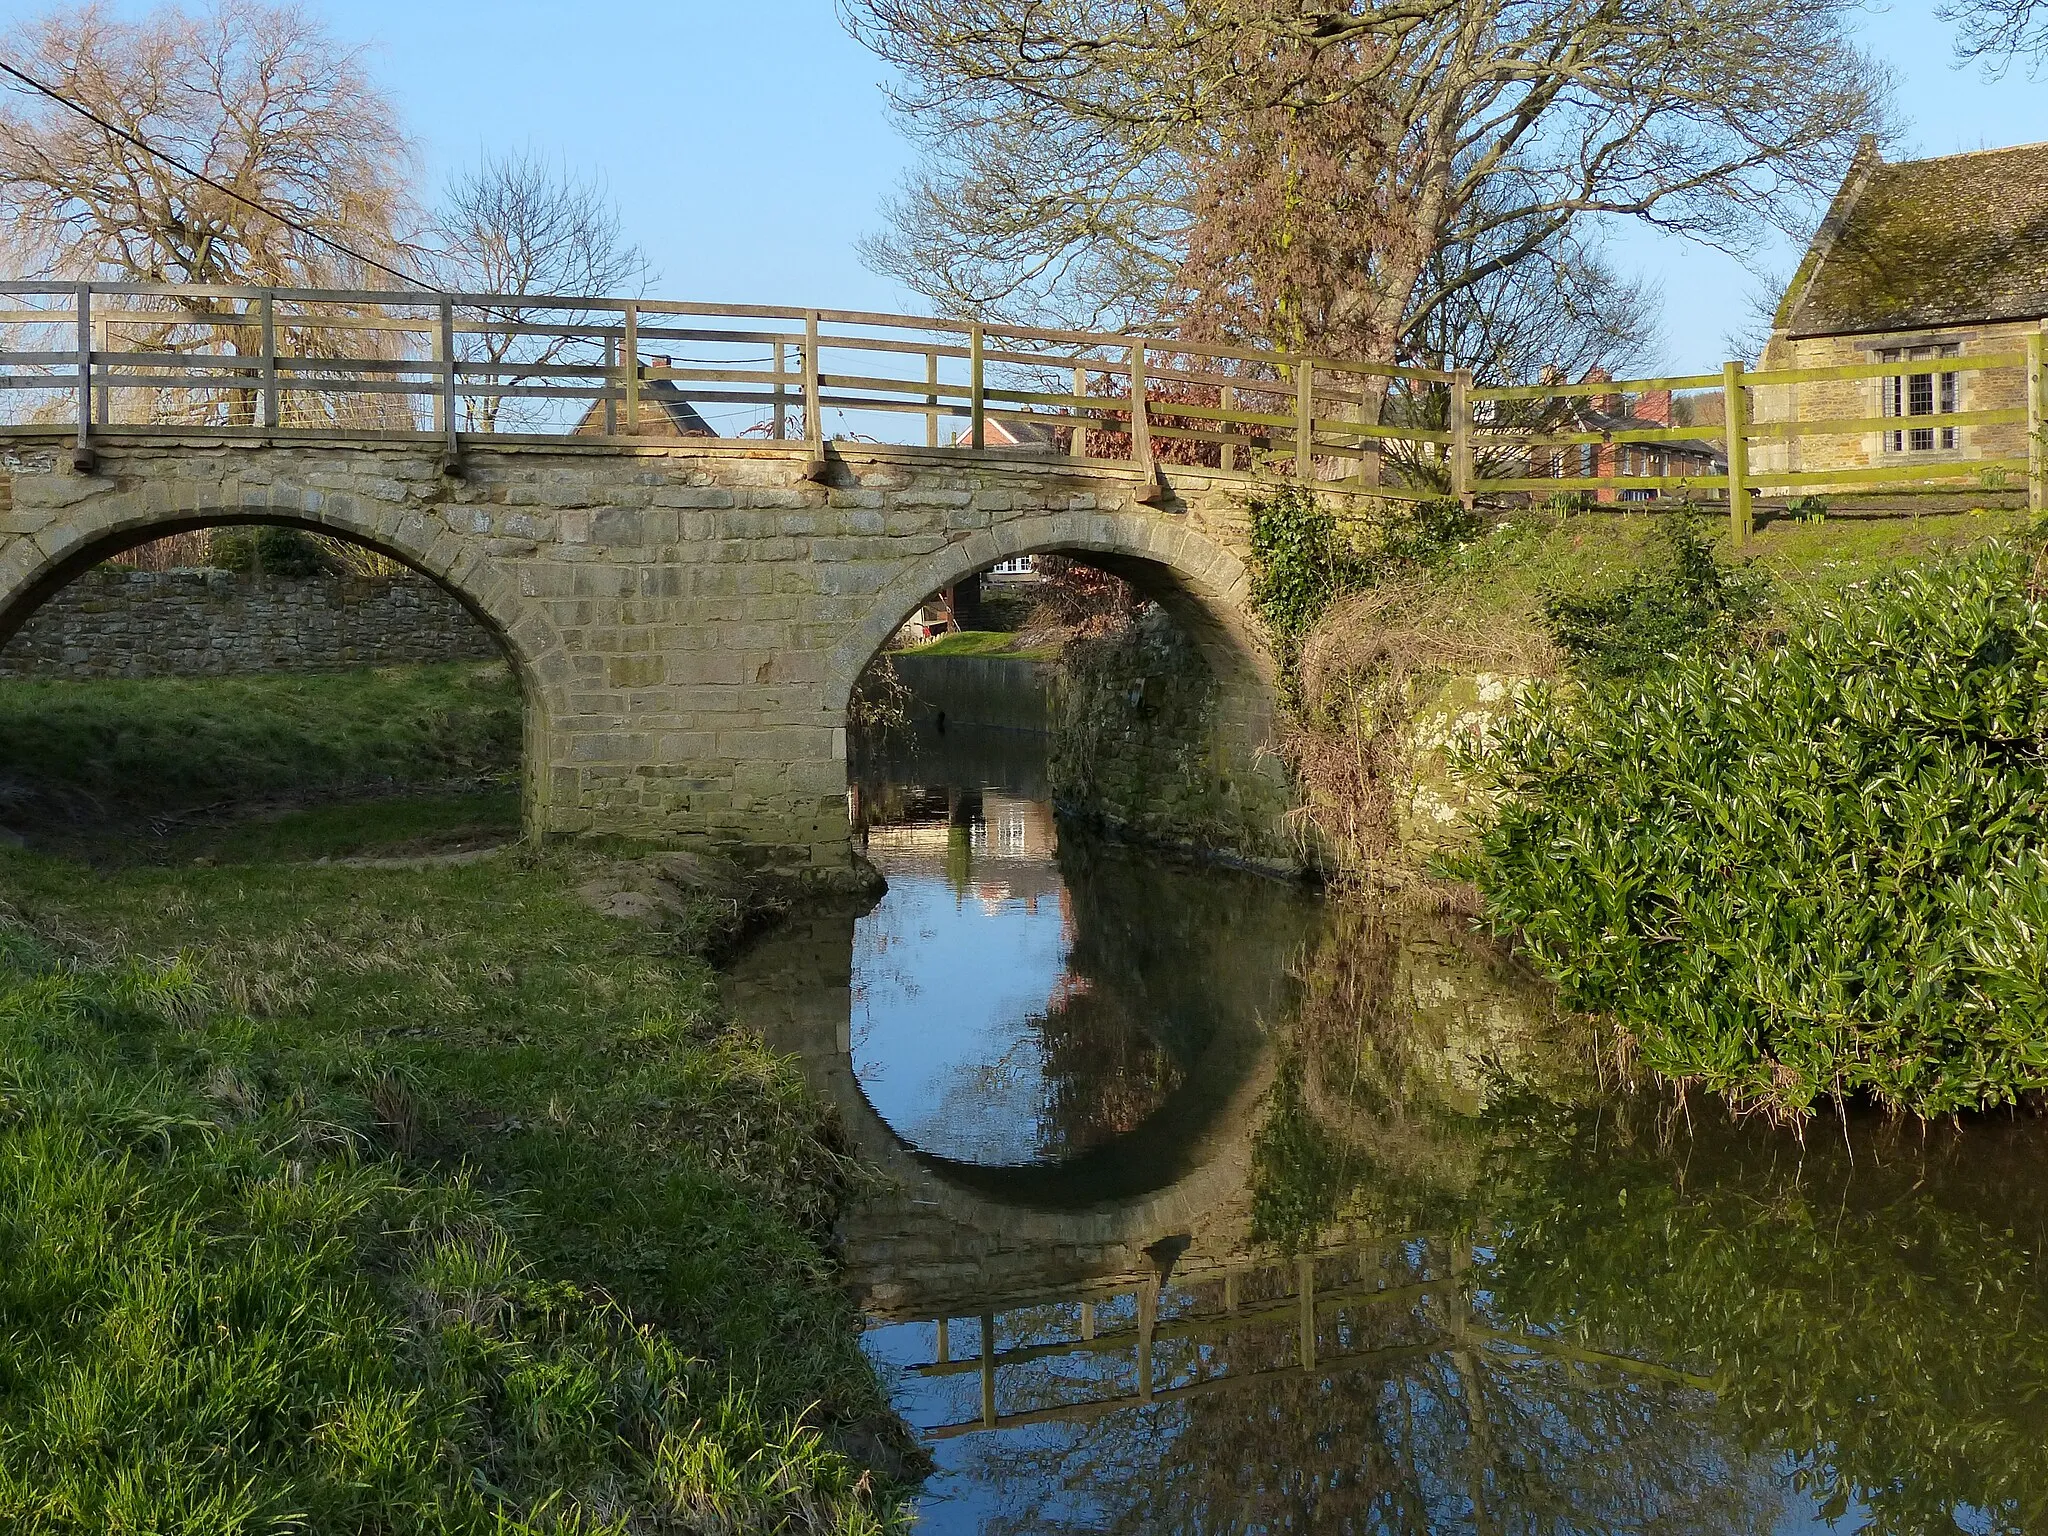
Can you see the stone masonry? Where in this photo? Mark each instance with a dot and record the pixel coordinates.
(687, 619)
(114, 622)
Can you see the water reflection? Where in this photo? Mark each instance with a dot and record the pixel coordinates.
(1407, 1253)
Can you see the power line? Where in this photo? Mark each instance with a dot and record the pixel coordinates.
(200, 176)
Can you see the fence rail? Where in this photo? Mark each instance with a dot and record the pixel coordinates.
(107, 359)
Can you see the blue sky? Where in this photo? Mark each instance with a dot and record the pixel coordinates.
(748, 145)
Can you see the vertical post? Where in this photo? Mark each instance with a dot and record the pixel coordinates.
(945, 1340)
(1079, 447)
(438, 349)
(270, 413)
(1304, 421)
(814, 405)
(977, 406)
(779, 429)
(931, 398)
(611, 372)
(629, 367)
(2037, 451)
(1735, 412)
(1141, 415)
(1305, 1285)
(1087, 1319)
(1227, 455)
(452, 445)
(1461, 436)
(81, 455)
(1230, 1291)
(103, 405)
(1148, 1321)
(988, 1370)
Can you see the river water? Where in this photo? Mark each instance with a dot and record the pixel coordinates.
(1208, 1206)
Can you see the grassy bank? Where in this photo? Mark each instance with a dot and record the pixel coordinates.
(392, 1194)
(154, 743)
(424, 1200)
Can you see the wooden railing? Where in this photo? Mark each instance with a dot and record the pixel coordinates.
(105, 359)
(1279, 1312)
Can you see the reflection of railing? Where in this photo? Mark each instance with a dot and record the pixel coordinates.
(268, 363)
(1441, 1305)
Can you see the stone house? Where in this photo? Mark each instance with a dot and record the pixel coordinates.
(1916, 261)
(663, 412)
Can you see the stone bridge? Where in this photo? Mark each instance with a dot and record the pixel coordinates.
(687, 619)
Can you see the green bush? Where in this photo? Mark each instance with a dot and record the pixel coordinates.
(267, 547)
(1814, 871)
(1688, 599)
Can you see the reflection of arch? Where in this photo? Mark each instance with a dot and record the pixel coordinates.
(1199, 582)
(33, 570)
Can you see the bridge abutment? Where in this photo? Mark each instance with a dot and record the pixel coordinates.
(687, 620)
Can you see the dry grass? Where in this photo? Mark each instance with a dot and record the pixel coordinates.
(1379, 660)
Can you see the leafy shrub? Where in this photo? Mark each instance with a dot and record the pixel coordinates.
(274, 550)
(1689, 599)
(1814, 871)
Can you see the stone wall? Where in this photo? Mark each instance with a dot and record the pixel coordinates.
(1006, 692)
(115, 622)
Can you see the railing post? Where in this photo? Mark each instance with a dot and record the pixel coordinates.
(611, 372)
(1461, 437)
(103, 405)
(1079, 447)
(988, 1370)
(1305, 1284)
(1735, 415)
(629, 367)
(1226, 455)
(977, 405)
(814, 404)
(81, 454)
(1141, 415)
(945, 1352)
(1148, 1323)
(270, 412)
(931, 397)
(779, 428)
(1304, 421)
(2037, 451)
(451, 450)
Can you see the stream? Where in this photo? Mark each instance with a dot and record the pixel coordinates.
(1212, 1206)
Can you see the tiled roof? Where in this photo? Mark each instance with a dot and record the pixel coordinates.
(1958, 240)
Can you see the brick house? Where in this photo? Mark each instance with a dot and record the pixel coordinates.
(1684, 458)
(1916, 261)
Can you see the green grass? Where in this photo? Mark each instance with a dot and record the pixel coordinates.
(340, 1198)
(157, 742)
(983, 642)
(428, 1200)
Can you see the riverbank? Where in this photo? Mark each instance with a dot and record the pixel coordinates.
(347, 1181)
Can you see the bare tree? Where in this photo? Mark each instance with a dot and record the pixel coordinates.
(2000, 31)
(517, 224)
(1081, 152)
(259, 98)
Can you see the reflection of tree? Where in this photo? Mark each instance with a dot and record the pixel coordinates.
(1164, 955)
(1439, 1428)
(1870, 1305)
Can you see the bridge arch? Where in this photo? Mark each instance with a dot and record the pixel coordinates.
(32, 571)
(1199, 582)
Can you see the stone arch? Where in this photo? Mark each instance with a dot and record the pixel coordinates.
(1202, 584)
(103, 519)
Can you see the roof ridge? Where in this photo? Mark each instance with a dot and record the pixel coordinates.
(1964, 154)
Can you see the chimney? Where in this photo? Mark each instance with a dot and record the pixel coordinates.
(1655, 405)
(1607, 404)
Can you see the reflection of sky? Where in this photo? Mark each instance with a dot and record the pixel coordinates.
(948, 992)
